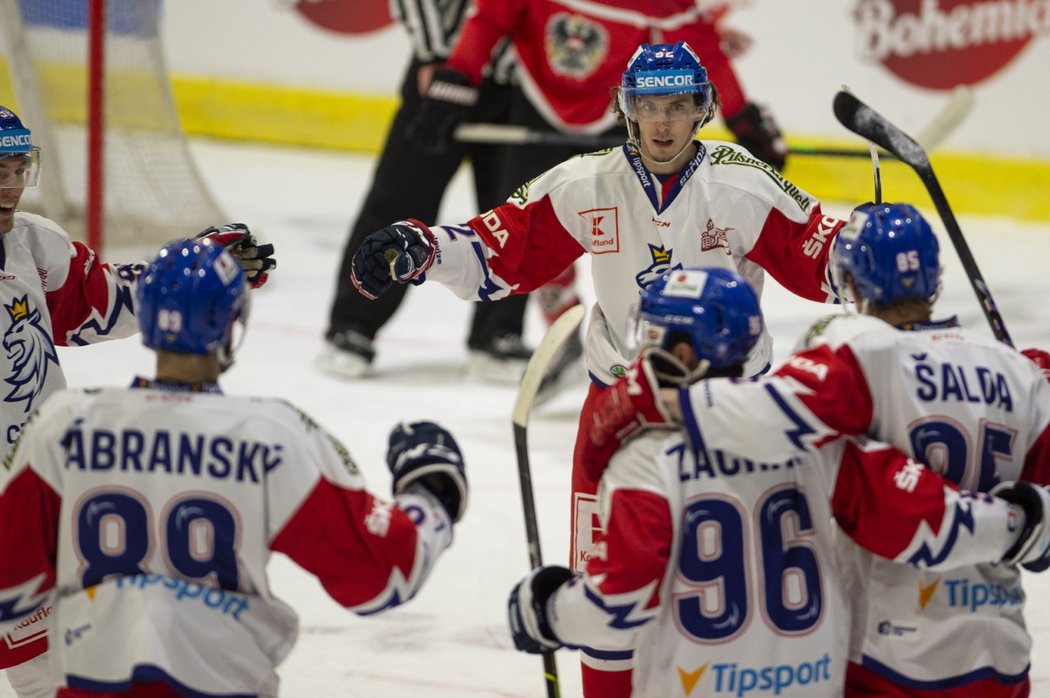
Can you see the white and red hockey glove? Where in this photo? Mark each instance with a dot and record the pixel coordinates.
(1032, 549)
(256, 260)
(629, 405)
(400, 252)
(1041, 359)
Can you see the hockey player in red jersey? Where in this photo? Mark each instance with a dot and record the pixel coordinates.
(660, 202)
(56, 292)
(146, 517)
(718, 565)
(973, 409)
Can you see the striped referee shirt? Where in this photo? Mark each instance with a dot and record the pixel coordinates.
(433, 27)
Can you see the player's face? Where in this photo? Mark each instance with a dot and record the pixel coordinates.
(14, 172)
(665, 126)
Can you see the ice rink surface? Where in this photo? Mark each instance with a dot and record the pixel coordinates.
(451, 641)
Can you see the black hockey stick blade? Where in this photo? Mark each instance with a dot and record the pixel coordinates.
(538, 365)
(868, 123)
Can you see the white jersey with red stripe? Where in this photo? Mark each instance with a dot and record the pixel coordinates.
(718, 565)
(724, 209)
(146, 518)
(977, 412)
(54, 293)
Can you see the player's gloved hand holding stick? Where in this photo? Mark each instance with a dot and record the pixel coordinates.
(527, 609)
(424, 455)
(255, 259)
(448, 100)
(401, 252)
(1032, 550)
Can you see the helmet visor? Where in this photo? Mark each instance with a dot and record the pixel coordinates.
(19, 169)
(640, 105)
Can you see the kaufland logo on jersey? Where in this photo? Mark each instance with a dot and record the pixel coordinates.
(939, 44)
(665, 81)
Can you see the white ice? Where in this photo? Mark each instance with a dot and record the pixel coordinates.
(451, 641)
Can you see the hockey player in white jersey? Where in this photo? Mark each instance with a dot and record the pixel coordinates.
(717, 567)
(662, 201)
(56, 292)
(146, 516)
(973, 409)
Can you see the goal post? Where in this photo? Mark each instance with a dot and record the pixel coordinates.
(135, 176)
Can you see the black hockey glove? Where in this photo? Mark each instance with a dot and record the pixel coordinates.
(449, 98)
(400, 252)
(527, 609)
(255, 259)
(1032, 549)
(755, 129)
(424, 454)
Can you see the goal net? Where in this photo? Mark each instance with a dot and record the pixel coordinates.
(151, 190)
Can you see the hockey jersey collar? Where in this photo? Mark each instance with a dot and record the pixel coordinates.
(945, 324)
(175, 386)
(672, 186)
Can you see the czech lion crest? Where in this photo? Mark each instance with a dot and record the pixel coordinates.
(30, 350)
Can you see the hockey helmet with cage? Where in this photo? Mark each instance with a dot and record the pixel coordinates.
(666, 69)
(19, 158)
(190, 299)
(889, 252)
(715, 308)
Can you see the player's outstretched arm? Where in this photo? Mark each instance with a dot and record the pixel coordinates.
(256, 260)
(400, 252)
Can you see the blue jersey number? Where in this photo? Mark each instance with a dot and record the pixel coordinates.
(714, 560)
(198, 537)
(951, 450)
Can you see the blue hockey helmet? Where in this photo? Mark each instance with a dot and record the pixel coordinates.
(19, 158)
(715, 308)
(190, 298)
(665, 69)
(889, 252)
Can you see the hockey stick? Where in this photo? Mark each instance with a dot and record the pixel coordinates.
(540, 361)
(505, 134)
(867, 123)
(956, 109)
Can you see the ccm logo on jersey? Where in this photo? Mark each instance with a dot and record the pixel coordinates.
(812, 247)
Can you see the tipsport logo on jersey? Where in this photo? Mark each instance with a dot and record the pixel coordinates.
(969, 595)
(740, 680)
